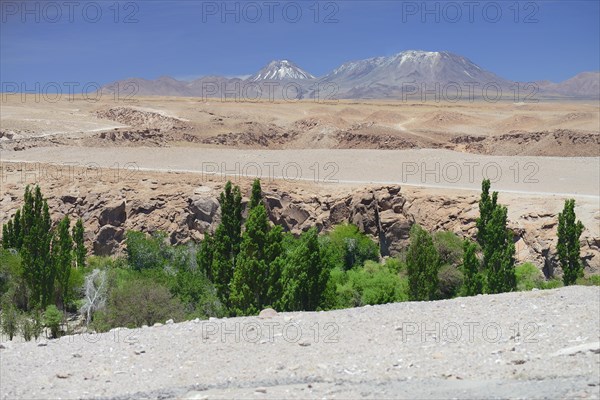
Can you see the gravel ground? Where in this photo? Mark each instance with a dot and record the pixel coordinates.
(538, 344)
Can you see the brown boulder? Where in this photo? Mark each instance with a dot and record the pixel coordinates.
(113, 214)
(107, 240)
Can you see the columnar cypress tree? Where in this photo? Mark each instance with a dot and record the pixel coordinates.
(473, 282)
(227, 241)
(487, 204)
(258, 267)
(78, 239)
(62, 247)
(256, 197)
(204, 258)
(250, 276)
(568, 247)
(496, 242)
(38, 268)
(18, 234)
(8, 236)
(498, 253)
(423, 264)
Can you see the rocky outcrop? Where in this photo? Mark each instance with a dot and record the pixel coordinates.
(187, 210)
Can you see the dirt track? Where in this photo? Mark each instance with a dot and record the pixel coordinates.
(471, 350)
(574, 176)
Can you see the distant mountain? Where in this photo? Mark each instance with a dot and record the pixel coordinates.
(411, 71)
(585, 84)
(410, 67)
(414, 72)
(281, 70)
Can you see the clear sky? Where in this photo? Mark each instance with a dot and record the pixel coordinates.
(81, 41)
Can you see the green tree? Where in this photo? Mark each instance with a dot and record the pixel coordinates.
(78, 239)
(38, 268)
(305, 275)
(62, 249)
(257, 268)
(568, 247)
(498, 253)
(423, 264)
(472, 278)
(204, 257)
(227, 241)
(8, 235)
(256, 197)
(487, 204)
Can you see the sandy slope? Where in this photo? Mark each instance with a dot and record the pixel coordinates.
(504, 128)
(471, 349)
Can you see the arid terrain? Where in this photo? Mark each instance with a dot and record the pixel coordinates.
(538, 344)
(503, 128)
(160, 163)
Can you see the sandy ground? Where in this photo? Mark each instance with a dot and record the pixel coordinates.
(572, 176)
(539, 344)
(508, 128)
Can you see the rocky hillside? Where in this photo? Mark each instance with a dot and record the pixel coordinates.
(187, 208)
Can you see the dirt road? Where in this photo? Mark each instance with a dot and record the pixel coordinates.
(563, 176)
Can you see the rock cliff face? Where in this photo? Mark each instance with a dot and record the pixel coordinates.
(187, 209)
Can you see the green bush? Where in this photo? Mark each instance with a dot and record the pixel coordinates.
(374, 283)
(53, 320)
(450, 280)
(144, 252)
(352, 247)
(139, 301)
(27, 328)
(10, 321)
(394, 264)
(528, 277)
(552, 284)
(592, 280)
(449, 246)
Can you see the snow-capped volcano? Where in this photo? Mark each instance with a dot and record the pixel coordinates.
(413, 65)
(280, 70)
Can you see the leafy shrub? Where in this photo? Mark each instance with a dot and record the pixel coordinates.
(528, 277)
(144, 252)
(395, 265)
(449, 246)
(592, 280)
(450, 280)
(10, 320)
(374, 283)
(52, 320)
(552, 284)
(352, 247)
(27, 327)
(139, 301)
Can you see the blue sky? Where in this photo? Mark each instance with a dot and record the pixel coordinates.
(551, 40)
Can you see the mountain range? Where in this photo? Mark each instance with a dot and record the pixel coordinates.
(409, 75)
